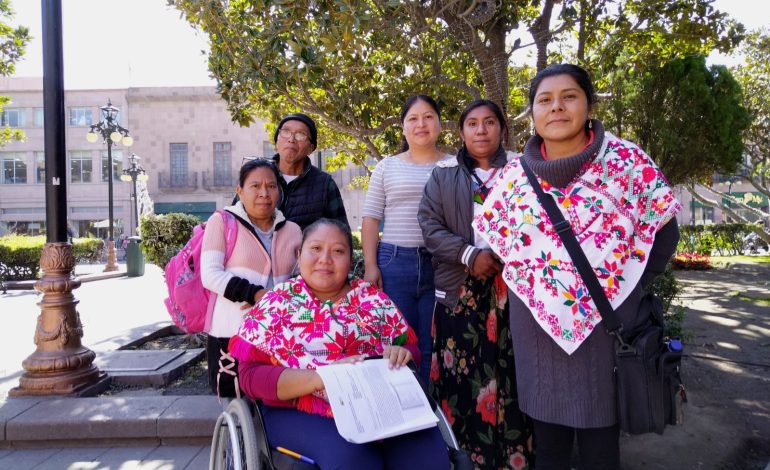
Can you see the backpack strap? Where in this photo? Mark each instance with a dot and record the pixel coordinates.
(231, 236)
(231, 232)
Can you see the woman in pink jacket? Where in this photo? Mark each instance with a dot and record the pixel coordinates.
(265, 253)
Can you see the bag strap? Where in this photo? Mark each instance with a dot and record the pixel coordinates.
(563, 228)
(231, 232)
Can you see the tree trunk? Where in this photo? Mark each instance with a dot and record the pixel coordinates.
(541, 32)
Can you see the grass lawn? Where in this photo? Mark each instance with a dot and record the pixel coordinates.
(723, 260)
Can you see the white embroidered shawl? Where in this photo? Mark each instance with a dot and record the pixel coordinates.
(615, 208)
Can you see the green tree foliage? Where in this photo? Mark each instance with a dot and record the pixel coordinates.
(351, 63)
(12, 44)
(694, 128)
(754, 166)
(164, 235)
(754, 78)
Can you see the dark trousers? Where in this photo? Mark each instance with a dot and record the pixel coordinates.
(316, 437)
(407, 278)
(221, 382)
(598, 448)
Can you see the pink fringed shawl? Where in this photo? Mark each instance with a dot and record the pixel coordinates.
(291, 328)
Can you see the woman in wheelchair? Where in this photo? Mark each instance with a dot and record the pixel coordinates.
(320, 318)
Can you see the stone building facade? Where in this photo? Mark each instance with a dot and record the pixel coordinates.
(187, 143)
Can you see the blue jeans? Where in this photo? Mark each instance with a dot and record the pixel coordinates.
(407, 278)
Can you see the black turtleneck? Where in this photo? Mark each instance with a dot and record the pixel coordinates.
(561, 171)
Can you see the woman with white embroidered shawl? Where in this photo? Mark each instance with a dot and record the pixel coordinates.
(320, 318)
(621, 209)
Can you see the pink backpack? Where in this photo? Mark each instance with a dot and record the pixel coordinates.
(189, 303)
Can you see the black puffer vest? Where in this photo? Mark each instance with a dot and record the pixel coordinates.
(305, 198)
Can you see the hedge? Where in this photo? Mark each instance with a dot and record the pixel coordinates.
(164, 235)
(20, 255)
(715, 239)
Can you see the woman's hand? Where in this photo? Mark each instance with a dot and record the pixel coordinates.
(257, 297)
(486, 265)
(372, 275)
(397, 356)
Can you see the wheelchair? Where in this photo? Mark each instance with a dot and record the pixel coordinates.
(240, 442)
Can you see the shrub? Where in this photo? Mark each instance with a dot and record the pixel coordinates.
(88, 250)
(164, 235)
(356, 240)
(721, 239)
(20, 254)
(693, 261)
(667, 288)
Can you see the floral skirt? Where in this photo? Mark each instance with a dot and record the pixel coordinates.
(474, 380)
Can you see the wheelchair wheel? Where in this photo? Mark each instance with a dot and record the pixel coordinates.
(234, 444)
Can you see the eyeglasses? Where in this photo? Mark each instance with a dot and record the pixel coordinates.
(299, 136)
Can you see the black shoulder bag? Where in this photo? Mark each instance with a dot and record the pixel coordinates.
(649, 388)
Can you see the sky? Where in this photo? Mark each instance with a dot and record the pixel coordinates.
(141, 43)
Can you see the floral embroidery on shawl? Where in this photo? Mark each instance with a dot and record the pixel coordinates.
(615, 208)
(290, 327)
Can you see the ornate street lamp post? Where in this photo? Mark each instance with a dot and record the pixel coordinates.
(133, 173)
(112, 133)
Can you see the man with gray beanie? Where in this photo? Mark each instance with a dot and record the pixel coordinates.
(308, 193)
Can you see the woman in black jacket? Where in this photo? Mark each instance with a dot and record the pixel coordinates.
(472, 373)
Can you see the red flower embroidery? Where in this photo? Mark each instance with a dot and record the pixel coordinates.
(648, 174)
(486, 403)
(342, 346)
(492, 327)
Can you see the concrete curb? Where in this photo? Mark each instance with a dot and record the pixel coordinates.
(99, 421)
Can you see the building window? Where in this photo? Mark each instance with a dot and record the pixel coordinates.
(12, 117)
(80, 117)
(14, 168)
(268, 149)
(81, 166)
(40, 167)
(38, 119)
(222, 163)
(178, 164)
(117, 165)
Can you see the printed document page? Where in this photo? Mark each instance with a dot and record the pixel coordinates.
(372, 402)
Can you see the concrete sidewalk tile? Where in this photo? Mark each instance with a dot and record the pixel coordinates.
(190, 416)
(123, 458)
(27, 459)
(13, 407)
(179, 456)
(201, 461)
(84, 458)
(89, 418)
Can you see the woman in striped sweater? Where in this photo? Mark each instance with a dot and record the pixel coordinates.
(265, 253)
(399, 263)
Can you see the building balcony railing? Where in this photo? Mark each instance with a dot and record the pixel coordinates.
(178, 183)
(213, 181)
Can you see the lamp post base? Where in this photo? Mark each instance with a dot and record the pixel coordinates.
(60, 365)
(112, 259)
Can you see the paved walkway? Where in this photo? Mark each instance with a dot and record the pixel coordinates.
(727, 372)
(114, 312)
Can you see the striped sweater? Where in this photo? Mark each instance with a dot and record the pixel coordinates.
(395, 190)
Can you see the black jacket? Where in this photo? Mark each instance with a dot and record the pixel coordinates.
(446, 216)
(311, 196)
